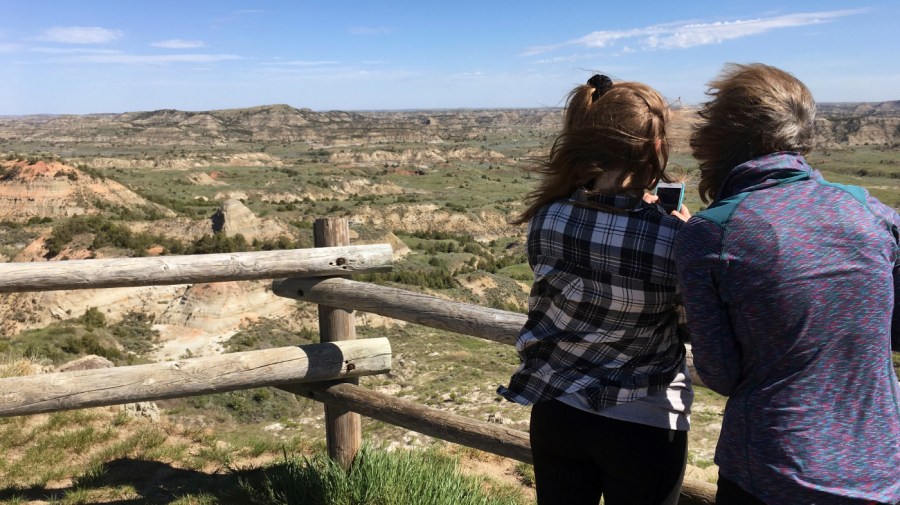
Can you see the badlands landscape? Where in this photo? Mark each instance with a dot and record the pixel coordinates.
(438, 186)
(181, 180)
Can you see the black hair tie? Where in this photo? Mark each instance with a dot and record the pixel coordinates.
(601, 85)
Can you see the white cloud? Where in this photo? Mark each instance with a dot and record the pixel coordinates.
(80, 35)
(155, 59)
(9, 48)
(566, 59)
(606, 38)
(679, 36)
(179, 44)
(713, 33)
(72, 50)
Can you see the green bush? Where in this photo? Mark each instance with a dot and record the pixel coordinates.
(455, 207)
(268, 334)
(434, 278)
(123, 342)
(106, 234)
(442, 235)
(44, 343)
(93, 318)
(38, 220)
(493, 265)
(135, 333)
(89, 343)
(278, 244)
(219, 243)
(378, 478)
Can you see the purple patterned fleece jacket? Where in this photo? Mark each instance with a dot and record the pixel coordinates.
(791, 286)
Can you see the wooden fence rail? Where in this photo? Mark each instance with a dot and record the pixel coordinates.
(464, 318)
(35, 394)
(447, 426)
(458, 317)
(166, 270)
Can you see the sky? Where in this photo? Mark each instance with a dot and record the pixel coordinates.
(110, 56)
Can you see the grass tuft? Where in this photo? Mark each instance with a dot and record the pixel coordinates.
(378, 477)
(20, 367)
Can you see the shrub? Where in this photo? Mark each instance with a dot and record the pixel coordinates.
(38, 220)
(268, 334)
(219, 243)
(436, 278)
(135, 333)
(93, 318)
(106, 234)
(378, 477)
(89, 344)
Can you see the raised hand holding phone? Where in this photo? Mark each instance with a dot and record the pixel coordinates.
(671, 195)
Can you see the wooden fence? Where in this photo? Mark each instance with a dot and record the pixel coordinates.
(325, 372)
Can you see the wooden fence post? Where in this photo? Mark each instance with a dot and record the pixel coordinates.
(343, 428)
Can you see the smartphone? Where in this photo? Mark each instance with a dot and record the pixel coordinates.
(671, 195)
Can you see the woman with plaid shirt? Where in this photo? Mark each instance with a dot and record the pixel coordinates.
(601, 357)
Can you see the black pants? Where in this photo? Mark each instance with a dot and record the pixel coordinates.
(729, 493)
(580, 456)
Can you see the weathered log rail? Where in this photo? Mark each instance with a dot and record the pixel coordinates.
(319, 371)
(428, 421)
(168, 270)
(35, 394)
(463, 318)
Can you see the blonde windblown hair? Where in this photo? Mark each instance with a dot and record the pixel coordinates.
(755, 110)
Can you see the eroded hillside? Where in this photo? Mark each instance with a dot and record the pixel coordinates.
(440, 186)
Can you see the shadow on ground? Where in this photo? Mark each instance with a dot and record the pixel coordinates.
(153, 483)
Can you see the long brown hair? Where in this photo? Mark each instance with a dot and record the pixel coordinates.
(611, 127)
(755, 110)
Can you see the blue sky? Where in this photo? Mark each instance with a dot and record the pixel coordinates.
(91, 56)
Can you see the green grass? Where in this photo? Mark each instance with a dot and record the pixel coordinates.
(97, 456)
(525, 473)
(92, 456)
(378, 478)
(519, 272)
(873, 161)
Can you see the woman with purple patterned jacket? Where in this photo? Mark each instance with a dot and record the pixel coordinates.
(791, 290)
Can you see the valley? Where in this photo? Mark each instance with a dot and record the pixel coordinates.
(439, 186)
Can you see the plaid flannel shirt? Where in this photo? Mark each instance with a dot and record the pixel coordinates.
(603, 312)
